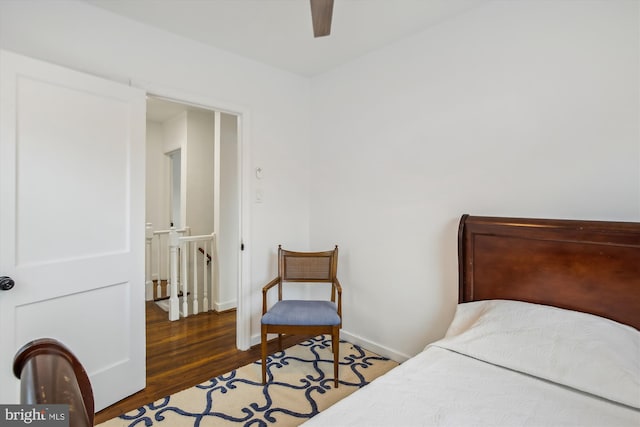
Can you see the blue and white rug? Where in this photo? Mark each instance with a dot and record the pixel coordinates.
(300, 385)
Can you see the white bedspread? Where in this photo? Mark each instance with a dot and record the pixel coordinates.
(506, 363)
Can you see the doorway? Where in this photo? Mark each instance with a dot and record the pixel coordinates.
(193, 180)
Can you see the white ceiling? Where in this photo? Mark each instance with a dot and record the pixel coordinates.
(279, 33)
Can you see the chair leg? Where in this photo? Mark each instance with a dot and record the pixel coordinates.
(264, 354)
(280, 342)
(335, 344)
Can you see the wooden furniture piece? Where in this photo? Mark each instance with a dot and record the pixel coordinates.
(588, 266)
(302, 316)
(50, 373)
(510, 356)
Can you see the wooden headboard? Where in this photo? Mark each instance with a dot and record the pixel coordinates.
(588, 266)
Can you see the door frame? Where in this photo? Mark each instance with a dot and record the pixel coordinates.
(243, 311)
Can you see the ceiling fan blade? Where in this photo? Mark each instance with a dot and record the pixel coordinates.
(321, 12)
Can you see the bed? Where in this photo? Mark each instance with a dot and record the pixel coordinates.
(545, 334)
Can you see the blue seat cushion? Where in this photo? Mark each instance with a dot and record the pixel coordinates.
(300, 312)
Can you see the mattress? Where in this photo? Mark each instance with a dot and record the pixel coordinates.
(507, 363)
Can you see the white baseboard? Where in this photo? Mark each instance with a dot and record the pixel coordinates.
(223, 306)
(396, 356)
(377, 348)
(164, 304)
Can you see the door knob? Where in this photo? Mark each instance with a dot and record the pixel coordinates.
(6, 283)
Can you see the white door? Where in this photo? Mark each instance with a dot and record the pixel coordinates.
(72, 222)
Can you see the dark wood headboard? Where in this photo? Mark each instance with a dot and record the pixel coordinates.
(588, 266)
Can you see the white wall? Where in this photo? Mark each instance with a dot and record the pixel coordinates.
(199, 171)
(526, 108)
(175, 133)
(174, 142)
(157, 184)
(199, 178)
(82, 37)
(228, 240)
(157, 201)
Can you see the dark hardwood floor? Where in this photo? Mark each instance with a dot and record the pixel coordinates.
(187, 352)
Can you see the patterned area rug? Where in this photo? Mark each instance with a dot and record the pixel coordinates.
(300, 385)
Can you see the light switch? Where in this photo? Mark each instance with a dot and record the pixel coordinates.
(259, 196)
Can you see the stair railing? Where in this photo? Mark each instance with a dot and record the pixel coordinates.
(185, 277)
(158, 258)
(190, 248)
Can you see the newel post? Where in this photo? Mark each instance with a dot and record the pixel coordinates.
(174, 304)
(148, 236)
(184, 273)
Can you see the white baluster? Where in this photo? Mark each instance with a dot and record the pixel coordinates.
(205, 299)
(159, 250)
(184, 247)
(148, 285)
(166, 262)
(215, 280)
(194, 264)
(174, 309)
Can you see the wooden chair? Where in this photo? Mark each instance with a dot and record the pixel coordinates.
(304, 317)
